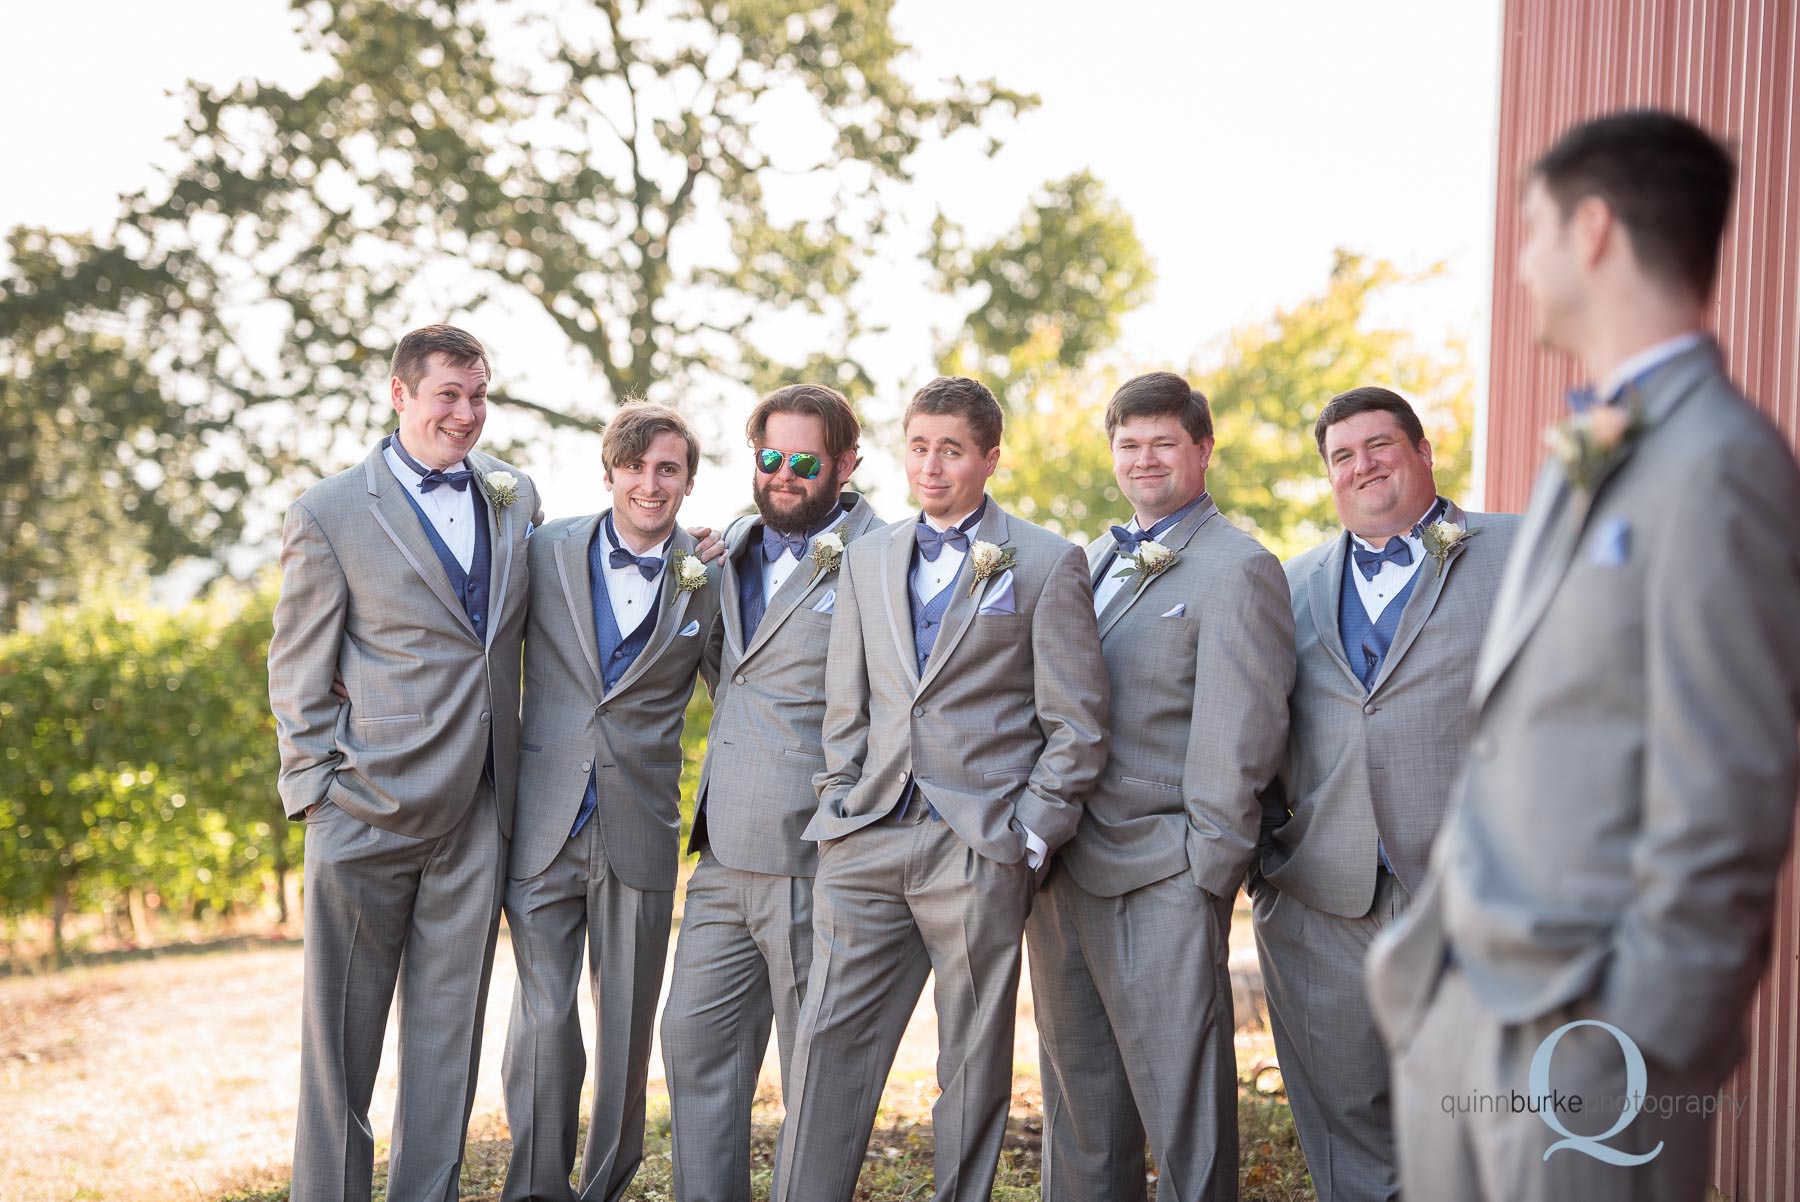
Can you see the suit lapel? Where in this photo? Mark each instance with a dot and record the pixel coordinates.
(671, 604)
(966, 601)
(500, 528)
(731, 608)
(1424, 598)
(1325, 597)
(395, 515)
(896, 565)
(1178, 538)
(571, 554)
(806, 576)
(1552, 531)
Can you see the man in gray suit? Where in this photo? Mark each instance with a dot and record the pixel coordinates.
(1129, 935)
(620, 612)
(403, 580)
(1597, 909)
(965, 721)
(1388, 618)
(746, 927)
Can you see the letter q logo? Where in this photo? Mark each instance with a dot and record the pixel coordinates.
(1636, 1080)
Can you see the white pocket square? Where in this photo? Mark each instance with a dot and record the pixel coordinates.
(1177, 611)
(1611, 547)
(826, 603)
(999, 598)
(691, 629)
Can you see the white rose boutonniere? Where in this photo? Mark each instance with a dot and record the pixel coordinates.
(827, 553)
(502, 488)
(1586, 445)
(1442, 537)
(988, 560)
(690, 573)
(1152, 557)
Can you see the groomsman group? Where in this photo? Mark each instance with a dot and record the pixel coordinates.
(947, 744)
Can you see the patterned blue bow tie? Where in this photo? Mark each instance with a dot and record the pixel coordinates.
(649, 565)
(775, 542)
(932, 542)
(1130, 540)
(1369, 562)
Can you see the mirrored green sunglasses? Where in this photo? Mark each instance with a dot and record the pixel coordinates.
(805, 466)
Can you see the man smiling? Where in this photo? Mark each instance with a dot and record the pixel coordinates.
(965, 721)
(620, 610)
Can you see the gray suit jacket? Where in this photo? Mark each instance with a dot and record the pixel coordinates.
(1365, 764)
(629, 737)
(1007, 724)
(364, 597)
(1630, 790)
(763, 747)
(1199, 712)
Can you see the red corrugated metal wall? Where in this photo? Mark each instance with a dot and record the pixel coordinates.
(1732, 66)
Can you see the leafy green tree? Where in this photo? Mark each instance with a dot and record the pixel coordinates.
(1049, 293)
(1267, 389)
(658, 182)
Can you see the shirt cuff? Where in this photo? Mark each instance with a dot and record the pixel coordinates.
(1035, 848)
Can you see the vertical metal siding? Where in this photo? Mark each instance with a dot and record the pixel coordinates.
(1733, 66)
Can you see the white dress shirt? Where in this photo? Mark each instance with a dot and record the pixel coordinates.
(451, 512)
(631, 595)
(777, 571)
(931, 576)
(1648, 358)
(1377, 593)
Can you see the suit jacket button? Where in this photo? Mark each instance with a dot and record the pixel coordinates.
(918, 711)
(599, 709)
(1368, 709)
(587, 765)
(738, 679)
(485, 717)
(903, 777)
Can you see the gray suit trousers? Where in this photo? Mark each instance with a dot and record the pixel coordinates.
(385, 909)
(893, 902)
(579, 900)
(1133, 1002)
(1332, 1060)
(1469, 1127)
(741, 963)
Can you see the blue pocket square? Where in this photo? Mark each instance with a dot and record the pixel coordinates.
(1611, 547)
(691, 629)
(999, 598)
(827, 602)
(1178, 611)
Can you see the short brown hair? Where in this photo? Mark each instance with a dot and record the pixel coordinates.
(1667, 181)
(1160, 394)
(1368, 399)
(831, 407)
(959, 396)
(412, 358)
(630, 434)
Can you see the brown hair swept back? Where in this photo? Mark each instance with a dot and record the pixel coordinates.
(630, 434)
(831, 407)
(1368, 399)
(413, 356)
(959, 396)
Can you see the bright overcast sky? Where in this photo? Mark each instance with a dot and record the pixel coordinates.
(1246, 139)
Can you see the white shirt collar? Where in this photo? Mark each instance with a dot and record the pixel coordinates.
(404, 470)
(934, 524)
(1649, 357)
(1406, 534)
(660, 550)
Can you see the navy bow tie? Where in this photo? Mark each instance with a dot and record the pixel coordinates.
(649, 565)
(775, 542)
(1369, 562)
(459, 480)
(932, 541)
(430, 478)
(1582, 399)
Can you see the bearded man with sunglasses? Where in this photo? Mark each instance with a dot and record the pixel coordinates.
(746, 931)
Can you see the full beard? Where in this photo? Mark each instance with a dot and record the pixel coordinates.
(803, 518)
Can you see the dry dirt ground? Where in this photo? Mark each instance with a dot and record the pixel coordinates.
(175, 1077)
